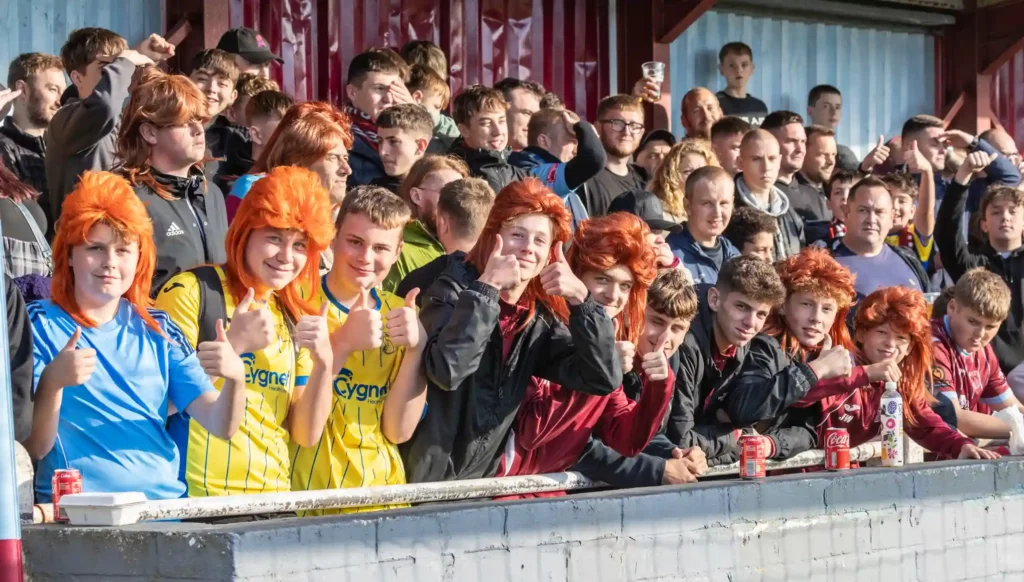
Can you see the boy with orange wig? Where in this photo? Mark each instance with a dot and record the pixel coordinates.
(162, 144)
(891, 329)
(611, 256)
(312, 135)
(273, 253)
(494, 321)
(107, 367)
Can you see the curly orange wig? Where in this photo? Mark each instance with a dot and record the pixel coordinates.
(306, 134)
(162, 100)
(813, 270)
(906, 311)
(286, 198)
(528, 196)
(617, 239)
(103, 198)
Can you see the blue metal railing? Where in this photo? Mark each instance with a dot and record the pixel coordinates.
(10, 518)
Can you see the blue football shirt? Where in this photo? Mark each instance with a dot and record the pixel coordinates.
(112, 428)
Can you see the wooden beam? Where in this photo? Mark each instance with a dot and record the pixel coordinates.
(678, 15)
(177, 33)
(955, 108)
(1003, 57)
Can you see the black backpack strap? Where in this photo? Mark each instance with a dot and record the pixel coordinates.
(211, 302)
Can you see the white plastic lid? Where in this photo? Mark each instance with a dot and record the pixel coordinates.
(101, 499)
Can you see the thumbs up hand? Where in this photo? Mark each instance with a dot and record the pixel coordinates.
(876, 156)
(252, 329)
(364, 327)
(557, 279)
(915, 160)
(655, 363)
(311, 333)
(832, 362)
(72, 366)
(219, 359)
(502, 270)
(625, 350)
(403, 324)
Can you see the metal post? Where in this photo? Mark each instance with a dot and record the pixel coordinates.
(10, 518)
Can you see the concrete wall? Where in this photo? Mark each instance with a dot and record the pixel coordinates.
(949, 521)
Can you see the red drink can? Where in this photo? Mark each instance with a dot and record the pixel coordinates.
(64, 482)
(753, 457)
(837, 449)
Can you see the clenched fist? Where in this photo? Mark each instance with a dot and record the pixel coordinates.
(404, 325)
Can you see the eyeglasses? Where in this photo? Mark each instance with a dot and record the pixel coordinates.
(622, 124)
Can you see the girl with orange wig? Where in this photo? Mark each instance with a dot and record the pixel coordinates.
(273, 250)
(107, 367)
(162, 144)
(494, 321)
(891, 328)
(312, 135)
(611, 256)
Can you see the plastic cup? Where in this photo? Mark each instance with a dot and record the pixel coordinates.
(655, 71)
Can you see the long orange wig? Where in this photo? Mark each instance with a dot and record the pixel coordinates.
(103, 198)
(617, 239)
(528, 196)
(814, 271)
(906, 311)
(286, 198)
(306, 134)
(162, 100)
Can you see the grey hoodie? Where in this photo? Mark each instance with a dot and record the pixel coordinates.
(789, 235)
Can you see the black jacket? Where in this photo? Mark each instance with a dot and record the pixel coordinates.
(180, 241)
(19, 335)
(472, 395)
(762, 396)
(590, 158)
(691, 419)
(810, 201)
(491, 165)
(958, 258)
(24, 155)
(365, 163)
(423, 277)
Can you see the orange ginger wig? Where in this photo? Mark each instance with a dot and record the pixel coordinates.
(103, 198)
(162, 100)
(528, 196)
(814, 271)
(617, 239)
(286, 198)
(306, 134)
(906, 311)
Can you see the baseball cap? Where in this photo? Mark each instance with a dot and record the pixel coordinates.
(657, 135)
(648, 207)
(248, 44)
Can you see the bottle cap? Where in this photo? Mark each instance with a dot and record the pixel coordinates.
(890, 386)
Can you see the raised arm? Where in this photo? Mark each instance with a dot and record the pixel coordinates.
(590, 155)
(403, 407)
(924, 216)
(957, 257)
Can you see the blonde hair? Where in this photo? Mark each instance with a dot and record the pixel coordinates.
(668, 184)
(984, 292)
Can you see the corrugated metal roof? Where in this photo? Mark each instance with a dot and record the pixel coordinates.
(886, 77)
(44, 25)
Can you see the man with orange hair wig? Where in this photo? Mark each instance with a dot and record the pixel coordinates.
(892, 327)
(273, 254)
(793, 359)
(312, 135)
(494, 321)
(611, 256)
(162, 144)
(107, 367)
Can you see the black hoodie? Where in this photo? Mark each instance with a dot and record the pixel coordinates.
(491, 165)
(691, 420)
(19, 334)
(958, 258)
(189, 229)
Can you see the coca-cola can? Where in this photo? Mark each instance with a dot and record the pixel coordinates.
(64, 482)
(837, 449)
(753, 457)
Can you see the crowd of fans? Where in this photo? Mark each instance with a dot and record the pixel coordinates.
(213, 290)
